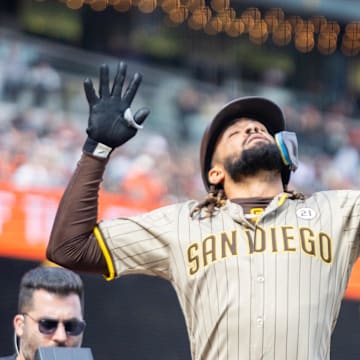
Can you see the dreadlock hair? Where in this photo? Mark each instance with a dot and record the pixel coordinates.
(294, 195)
(216, 198)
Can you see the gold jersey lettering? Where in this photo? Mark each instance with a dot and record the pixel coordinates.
(229, 244)
(274, 240)
(274, 245)
(288, 237)
(307, 241)
(193, 258)
(255, 214)
(325, 247)
(249, 239)
(259, 239)
(209, 250)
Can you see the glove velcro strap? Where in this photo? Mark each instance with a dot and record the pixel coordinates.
(96, 148)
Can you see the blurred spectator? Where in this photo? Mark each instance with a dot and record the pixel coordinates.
(334, 132)
(44, 81)
(187, 105)
(147, 176)
(142, 184)
(38, 147)
(37, 171)
(13, 67)
(346, 162)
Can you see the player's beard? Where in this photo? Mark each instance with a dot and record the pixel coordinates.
(263, 157)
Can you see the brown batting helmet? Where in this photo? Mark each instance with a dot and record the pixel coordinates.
(253, 107)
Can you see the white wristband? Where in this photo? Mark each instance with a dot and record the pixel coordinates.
(96, 148)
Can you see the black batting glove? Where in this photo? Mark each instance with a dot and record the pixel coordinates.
(111, 122)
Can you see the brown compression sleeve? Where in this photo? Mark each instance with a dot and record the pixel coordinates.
(72, 243)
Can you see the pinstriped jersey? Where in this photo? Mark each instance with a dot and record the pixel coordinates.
(269, 290)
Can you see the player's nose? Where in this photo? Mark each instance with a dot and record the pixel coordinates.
(60, 335)
(252, 128)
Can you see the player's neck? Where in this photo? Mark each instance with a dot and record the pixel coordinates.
(255, 186)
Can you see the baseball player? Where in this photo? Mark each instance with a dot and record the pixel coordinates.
(259, 271)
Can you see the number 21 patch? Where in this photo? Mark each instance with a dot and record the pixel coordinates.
(306, 213)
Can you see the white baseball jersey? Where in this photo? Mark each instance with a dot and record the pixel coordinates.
(270, 290)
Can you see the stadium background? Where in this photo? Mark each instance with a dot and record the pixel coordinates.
(47, 48)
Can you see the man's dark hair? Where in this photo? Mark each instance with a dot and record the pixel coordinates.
(55, 280)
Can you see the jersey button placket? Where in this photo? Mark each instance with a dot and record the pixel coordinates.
(259, 321)
(260, 281)
(258, 307)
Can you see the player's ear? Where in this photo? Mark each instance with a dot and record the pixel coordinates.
(18, 322)
(216, 175)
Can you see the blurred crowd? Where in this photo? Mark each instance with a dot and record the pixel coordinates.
(40, 141)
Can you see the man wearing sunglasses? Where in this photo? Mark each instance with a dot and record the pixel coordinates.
(50, 311)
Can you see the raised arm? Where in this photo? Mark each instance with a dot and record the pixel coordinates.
(111, 123)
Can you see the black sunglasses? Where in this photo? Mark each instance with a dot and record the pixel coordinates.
(72, 327)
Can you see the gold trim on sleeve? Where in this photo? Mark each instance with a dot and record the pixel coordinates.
(106, 253)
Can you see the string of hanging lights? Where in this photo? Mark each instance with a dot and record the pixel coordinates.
(217, 16)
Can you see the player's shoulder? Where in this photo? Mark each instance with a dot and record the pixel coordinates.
(176, 207)
(350, 195)
(339, 192)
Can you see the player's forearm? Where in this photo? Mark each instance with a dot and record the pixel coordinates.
(71, 242)
(110, 124)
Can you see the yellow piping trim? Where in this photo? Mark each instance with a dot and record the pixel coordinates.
(283, 198)
(106, 253)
